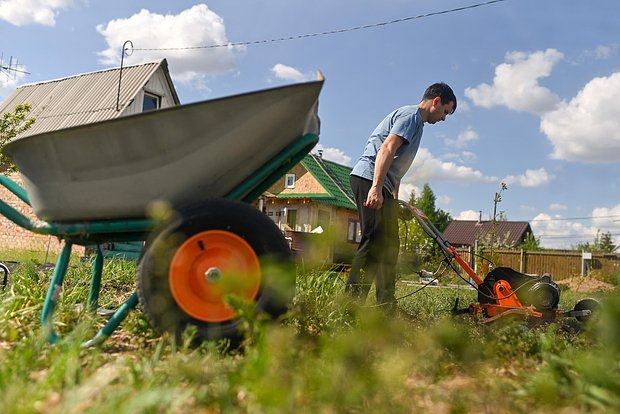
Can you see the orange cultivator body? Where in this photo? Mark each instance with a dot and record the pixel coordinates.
(504, 291)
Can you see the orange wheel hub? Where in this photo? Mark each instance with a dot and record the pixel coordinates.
(210, 266)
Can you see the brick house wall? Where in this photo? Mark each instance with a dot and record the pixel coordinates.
(14, 237)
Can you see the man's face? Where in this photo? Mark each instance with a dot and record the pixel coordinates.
(440, 111)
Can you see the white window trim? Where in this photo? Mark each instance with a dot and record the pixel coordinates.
(286, 179)
(152, 95)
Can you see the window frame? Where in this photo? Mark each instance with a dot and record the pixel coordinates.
(286, 181)
(357, 231)
(155, 97)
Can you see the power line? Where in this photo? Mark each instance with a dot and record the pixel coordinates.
(329, 32)
(577, 218)
(572, 236)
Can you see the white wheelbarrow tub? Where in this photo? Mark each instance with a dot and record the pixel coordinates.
(115, 169)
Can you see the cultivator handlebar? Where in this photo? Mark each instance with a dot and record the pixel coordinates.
(433, 232)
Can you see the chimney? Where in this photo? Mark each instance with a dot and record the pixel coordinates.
(320, 153)
(479, 216)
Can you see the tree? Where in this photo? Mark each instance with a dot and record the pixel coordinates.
(603, 243)
(412, 197)
(531, 243)
(606, 244)
(426, 203)
(417, 248)
(11, 125)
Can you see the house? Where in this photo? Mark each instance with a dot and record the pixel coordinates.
(95, 96)
(78, 100)
(465, 233)
(314, 202)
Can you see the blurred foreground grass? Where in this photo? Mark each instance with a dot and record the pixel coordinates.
(325, 357)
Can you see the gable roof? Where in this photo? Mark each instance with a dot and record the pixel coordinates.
(333, 177)
(83, 99)
(466, 232)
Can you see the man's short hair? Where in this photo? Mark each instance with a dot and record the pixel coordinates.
(443, 91)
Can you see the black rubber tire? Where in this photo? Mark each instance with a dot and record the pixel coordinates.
(277, 268)
(590, 304)
(4, 272)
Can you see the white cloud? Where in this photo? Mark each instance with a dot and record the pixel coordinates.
(587, 128)
(515, 84)
(463, 139)
(602, 52)
(427, 168)
(9, 81)
(468, 215)
(333, 154)
(444, 200)
(531, 178)
(289, 73)
(25, 12)
(465, 157)
(555, 232)
(464, 106)
(607, 219)
(558, 232)
(194, 27)
(468, 156)
(405, 189)
(557, 207)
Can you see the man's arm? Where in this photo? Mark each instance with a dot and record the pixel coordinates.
(384, 160)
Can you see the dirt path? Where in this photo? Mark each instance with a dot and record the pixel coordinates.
(586, 284)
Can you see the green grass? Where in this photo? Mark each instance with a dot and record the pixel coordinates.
(34, 256)
(326, 356)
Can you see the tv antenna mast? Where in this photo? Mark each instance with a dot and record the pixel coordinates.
(11, 69)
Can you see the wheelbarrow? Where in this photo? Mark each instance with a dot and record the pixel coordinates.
(205, 162)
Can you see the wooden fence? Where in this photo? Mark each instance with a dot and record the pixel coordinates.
(560, 264)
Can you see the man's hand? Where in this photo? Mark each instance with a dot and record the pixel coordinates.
(374, 198)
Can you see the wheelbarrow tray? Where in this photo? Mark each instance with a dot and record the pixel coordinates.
(117, 168)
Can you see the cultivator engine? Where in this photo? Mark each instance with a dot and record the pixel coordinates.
(504, 291)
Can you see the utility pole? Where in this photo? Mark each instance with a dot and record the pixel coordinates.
(497, 199)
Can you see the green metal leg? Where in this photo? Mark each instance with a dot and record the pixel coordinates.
(95, 282)
(116, 319)
(54, 292)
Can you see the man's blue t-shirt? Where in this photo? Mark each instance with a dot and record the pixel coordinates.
(405, 122)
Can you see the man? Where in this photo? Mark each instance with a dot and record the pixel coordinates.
(375, 180)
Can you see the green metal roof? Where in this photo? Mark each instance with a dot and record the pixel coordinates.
(333, 177)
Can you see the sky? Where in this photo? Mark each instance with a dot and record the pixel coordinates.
(537, 84)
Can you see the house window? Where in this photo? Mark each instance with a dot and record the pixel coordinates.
(150, 102)
(354, 233)
(291, 218)
(289, 181)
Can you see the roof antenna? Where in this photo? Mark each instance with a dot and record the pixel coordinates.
(11, 68)
(120, 74)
